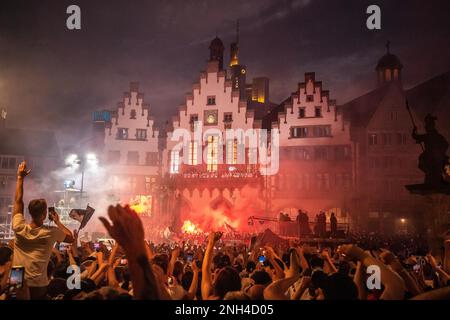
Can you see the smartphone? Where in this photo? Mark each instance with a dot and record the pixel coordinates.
(416, 267)
(262, 259)
(16, 276)
(97, 246)
(123, 261)
(51, 210)
(189, 258)
(62, 247)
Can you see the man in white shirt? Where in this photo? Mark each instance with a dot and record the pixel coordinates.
(34, 241)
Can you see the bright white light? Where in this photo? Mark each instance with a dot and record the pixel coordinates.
(92, 160)
(402, 220)
(71, 160)
(91, 157)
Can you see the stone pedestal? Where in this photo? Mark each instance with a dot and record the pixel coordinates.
(437, 217)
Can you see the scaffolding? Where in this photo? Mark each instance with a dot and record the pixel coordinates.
(6, 232)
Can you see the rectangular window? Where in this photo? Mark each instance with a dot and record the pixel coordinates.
(321, 153)
(311, 132)
(299, 132)
(148, 185)
(301, 112)
(193, 153)
(122, 133)
(309, 98)
(321, 131)
(174, 161)
(133, 158)
(386, 138)
(232, 151)
(373, 139)
(151, 159)
(347, 180)
(113, 157)
(193, 118)
(227, 117)
(211, 100)
(212, 153)
(141, 134)
(303, 154)
(318, 112)
(12, 163)
(4, 163)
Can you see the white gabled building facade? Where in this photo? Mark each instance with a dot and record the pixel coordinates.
(131, 147)
(208, 180)
(315, 153)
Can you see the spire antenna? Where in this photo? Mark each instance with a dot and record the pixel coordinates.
(237, 31)
(388, 46)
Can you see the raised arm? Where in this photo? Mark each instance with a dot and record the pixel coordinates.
(271, 256)
(206, 266)
(394, 286)
(22, 172)
(329, 265)
(277, 289)
(173, 258)
(128, 231)
(192, 293)
(390, 259)
(69, 236)
(358, 279)
(443, 276)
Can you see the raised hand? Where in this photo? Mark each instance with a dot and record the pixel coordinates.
(126, 229)
(214, 237)
(54, 216)
(22, 170)
(351, 251)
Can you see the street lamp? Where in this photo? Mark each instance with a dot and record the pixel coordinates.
(74, 161)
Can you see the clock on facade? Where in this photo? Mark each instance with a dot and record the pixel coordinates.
(210, 117)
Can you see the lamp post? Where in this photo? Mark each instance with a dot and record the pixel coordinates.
(74, 161)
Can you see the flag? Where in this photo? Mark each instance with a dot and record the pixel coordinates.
(82, 215)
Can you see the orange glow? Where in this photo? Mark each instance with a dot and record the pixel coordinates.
(190, 228)
(142, 205)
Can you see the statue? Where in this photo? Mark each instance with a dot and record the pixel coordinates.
(434, 160)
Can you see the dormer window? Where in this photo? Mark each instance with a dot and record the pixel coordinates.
(227, 117)
(301, 112)
(309, 98)
(141, 134)
(122, 133)
(193, 118)
(318, 112)
(133, 114)
(211, 100)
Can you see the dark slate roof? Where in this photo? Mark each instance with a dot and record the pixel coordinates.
(360, 110)
(431, 95)
(260, 109)
(272, 115)
(28, 142)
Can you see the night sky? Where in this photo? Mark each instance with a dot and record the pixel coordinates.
(53, 78)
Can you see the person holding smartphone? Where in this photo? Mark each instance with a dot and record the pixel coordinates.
(34, 241)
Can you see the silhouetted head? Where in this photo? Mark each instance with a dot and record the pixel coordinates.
(430, 123)
(339, 286)
(227, 280)
(38, 210)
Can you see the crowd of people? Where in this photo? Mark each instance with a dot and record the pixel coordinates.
(57, 265)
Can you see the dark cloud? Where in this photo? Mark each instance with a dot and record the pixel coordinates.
(54, 78)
